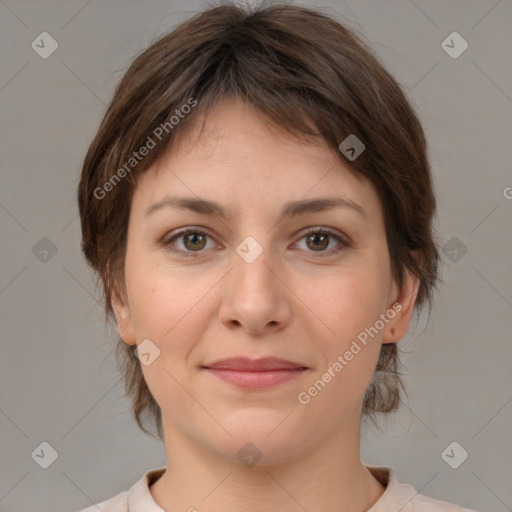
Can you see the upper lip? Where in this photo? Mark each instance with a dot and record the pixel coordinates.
(254, 365)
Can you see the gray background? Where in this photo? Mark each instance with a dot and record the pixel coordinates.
(58, 378)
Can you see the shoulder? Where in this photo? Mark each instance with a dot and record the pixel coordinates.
(118, 503)
(426, 504)
(137, 498)
(403, 497)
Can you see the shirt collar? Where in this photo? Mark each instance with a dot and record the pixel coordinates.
(395, 497)
(139, 496)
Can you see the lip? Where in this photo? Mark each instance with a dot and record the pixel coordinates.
(245, 364)
(255, 373)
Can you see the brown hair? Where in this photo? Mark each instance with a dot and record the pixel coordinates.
(308, 74)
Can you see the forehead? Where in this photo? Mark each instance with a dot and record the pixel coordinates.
(241, 158)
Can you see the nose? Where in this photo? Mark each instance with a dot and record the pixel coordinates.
(255, 297)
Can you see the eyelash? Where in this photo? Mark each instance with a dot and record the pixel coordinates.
(189, 254)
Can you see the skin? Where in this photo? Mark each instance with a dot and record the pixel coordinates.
(290, 302)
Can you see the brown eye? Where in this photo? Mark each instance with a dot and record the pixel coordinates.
(194, 241)
(188, 242)
(317, 241)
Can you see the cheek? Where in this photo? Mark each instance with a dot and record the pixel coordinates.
(346, 303)
(350, 307)
(168, 304)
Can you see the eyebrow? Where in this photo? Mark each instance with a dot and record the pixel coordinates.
(290, 209)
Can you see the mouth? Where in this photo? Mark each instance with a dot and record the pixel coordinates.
(255, 373)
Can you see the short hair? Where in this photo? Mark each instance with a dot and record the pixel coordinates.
(309, 75)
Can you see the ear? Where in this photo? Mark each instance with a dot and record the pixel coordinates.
(123, 319)
(401, 300)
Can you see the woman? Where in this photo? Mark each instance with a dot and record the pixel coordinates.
(258, 204)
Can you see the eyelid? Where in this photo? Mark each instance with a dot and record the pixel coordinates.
(324, 229)
(166, 240)
(343, 239)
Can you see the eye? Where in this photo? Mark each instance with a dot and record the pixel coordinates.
(194, 241)
(318, 239)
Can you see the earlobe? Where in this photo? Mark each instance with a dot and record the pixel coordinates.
(123, 319)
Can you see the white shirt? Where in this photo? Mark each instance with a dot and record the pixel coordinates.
(397, 497)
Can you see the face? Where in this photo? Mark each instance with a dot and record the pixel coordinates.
(253, 283)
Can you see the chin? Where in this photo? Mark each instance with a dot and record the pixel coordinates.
(262, 440)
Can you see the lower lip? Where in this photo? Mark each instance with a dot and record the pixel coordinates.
(257, 380)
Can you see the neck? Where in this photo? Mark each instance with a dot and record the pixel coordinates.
(326, 477)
